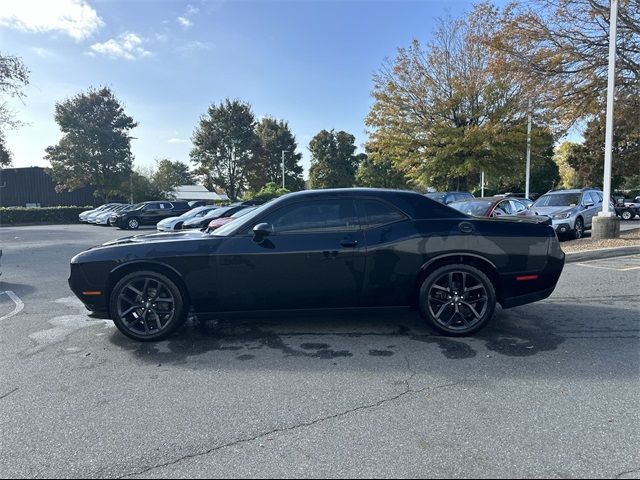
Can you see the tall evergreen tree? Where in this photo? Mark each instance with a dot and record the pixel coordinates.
(333, 163)
(225, 147)
(275, 136)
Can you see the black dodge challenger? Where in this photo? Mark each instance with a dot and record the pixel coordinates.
(326, 249)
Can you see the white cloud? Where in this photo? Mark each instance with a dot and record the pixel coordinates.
(185, 22)
(75, 18)
(191, 10)
(127, 45)
(178, 140)
(42, 52)
(194, 46)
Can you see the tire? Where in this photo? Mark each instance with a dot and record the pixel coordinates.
(133, 223)
(138, 310)
(452, 311)
(627, 215)
(578, 229)
(178, 226)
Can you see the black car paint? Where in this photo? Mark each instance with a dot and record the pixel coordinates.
(377, 267)
(149, 216)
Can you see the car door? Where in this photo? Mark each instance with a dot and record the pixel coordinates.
(390, 269)
(166, 210)
(313, 259)
(590, 207)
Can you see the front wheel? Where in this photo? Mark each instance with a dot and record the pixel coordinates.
(133, 224)
(147, 306)
(578, 230)
(457, 300)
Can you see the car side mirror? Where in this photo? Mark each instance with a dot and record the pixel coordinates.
(261, 231)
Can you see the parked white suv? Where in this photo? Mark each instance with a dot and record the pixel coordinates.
(571, 211)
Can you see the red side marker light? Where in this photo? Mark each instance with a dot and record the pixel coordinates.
(525, 278)
(92, 293)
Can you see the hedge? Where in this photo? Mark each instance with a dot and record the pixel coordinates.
(18, 215)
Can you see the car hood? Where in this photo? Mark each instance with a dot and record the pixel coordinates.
(549, 211)
(167, 220)
(158, 237)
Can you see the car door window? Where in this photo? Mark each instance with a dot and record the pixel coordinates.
(503, 208)
(517, 207)
(151, 206)
(586, 199)
(318, 216)
(377, 214)
(166, 206)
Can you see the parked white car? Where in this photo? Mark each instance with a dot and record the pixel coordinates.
(174, 223)
(103, 218)
(91, 218)
(84, 215)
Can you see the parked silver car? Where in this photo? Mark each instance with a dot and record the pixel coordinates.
(571, 211)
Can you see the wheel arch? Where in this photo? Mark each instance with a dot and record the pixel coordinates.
(478, 261)
(116, 274)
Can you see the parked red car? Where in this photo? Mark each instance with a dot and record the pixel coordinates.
(493, 207)
(218, 222)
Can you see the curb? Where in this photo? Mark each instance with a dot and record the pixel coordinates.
(601, 253)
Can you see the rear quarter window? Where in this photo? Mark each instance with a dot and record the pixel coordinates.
(376, 213)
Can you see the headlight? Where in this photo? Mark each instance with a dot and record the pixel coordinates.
(561, 216)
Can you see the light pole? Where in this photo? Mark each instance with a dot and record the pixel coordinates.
(482, 184)
(528, 172)
(607, 224)
(283, 152)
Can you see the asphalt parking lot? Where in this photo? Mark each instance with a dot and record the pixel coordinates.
(549, 390)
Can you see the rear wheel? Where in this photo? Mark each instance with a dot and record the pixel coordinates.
(457, 300)
(627, 215)
(147, 306)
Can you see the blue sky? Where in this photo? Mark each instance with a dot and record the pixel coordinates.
(308, 62)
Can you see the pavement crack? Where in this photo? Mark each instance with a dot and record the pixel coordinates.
(406, 391)
(628, 472)
(9, 393)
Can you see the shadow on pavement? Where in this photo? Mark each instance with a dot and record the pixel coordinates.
(519, 332)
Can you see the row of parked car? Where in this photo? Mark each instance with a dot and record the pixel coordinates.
(570, 212)
(166, 215)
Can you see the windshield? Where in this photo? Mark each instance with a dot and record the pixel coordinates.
(558, 200)
(196, 212)
(230, 227)
(243, 212)
(438, 197)
(477, 208)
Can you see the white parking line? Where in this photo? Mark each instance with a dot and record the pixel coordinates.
(620, 264)
(17, 309)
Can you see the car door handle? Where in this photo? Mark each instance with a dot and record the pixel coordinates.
(349, 243)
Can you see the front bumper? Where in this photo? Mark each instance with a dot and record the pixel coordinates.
(562, 226)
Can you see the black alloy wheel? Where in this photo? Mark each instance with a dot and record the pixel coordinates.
(147, 306)
(457, 300)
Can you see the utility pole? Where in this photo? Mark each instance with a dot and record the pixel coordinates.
(607, 224)
(283, 152)
(482, 184)
(528, 172)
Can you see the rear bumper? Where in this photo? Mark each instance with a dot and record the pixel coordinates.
(528, 287)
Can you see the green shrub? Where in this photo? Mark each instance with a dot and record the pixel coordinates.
(18, 215)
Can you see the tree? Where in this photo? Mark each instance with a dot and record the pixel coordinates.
(442, 115)
(96, 146)
(587, 159)
(169, 175)
(14, 76)
(5, 153)
(333, 163)
(225, 147)
(568, 175)
(269, 191)
(141, 187)
(378, 173)
(275, 137)
(561, 48)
